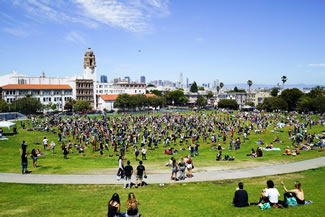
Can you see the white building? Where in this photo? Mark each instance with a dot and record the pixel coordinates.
(45, 93)
(120, 88)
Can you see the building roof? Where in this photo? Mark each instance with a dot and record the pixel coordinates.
(36, 87)
(113, 97)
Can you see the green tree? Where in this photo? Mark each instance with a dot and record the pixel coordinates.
(3, 106)
(291, 96)
(201, 101)
(210, 94)
(194, 88)
(156, 101)
(156, 92)
(82, 105)
(317, 91)
(274, 92)
(305, 104)
(249, 83)
(123, 101)
(228, 103)
(176, 96)
(69, 104)
(250, 104)
(284, 80)
(274, 103)
(319, 104)
(27, 105)
(201, 88)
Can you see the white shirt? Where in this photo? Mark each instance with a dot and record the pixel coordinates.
(45, 141)
(272, 194)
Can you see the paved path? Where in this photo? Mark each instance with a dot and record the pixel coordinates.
(165, 178)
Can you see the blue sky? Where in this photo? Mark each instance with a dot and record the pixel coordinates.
(233, 40)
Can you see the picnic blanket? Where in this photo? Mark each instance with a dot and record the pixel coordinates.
(273, 149)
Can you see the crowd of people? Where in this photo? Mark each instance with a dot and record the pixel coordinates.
(141, 133)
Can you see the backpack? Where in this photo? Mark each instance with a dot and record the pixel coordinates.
(265, 206)
(292, 201)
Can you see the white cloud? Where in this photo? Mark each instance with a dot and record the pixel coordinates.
(15, 31)
(317, 65)
(75, 37)
(132, 15)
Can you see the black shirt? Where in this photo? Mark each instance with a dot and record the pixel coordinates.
(241, 198)
(140, 170)
(128, 170)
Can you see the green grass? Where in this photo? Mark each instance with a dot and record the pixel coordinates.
(94, 163)
(172, 200)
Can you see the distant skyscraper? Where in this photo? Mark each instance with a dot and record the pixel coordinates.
(127, 78)
(181, 80)
(187, 83)
(142, 79)
(103, 79)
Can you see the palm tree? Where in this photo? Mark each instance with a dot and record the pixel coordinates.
(250, 83)
(284, 80)
(221, 85)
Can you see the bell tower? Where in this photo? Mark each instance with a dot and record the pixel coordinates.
(90, 65)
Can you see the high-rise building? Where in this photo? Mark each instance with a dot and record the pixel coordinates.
(127, 78)
(142, 79)
(181, 80)
(187, 83)
(103, 79)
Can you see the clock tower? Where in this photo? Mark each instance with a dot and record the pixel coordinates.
(90, 65)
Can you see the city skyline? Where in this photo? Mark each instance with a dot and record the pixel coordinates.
(233, 42)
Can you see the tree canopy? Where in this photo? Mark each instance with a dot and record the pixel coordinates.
(291, 96)
(82, 105)
(194, 88)
(228, 103)
(201, 101)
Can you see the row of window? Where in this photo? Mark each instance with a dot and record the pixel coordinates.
(38, 92)
(85, 85)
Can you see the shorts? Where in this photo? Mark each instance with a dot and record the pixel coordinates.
(140, 177)
(189, 166)
(174, 170)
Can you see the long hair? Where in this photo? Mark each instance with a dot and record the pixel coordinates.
(115, 198)
(298, 185)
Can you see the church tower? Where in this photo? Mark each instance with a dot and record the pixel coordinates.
(90, 65)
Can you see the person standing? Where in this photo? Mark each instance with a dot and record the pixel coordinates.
(141, 170)
(240, 197)
(128, 170)
(136, 152)
(45, 143)
(52, 145)
(24, 163)
(144, 153)
(120, 171)
(24, 147)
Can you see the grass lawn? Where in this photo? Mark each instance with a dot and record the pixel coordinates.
(172, 200)
(94, 163)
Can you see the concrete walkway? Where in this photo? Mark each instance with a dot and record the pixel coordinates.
(165, 178)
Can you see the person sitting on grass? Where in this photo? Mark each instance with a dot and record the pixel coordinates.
(132, 206)
(297, 193)
(270, 194)
(253, 153)
(240, 197)
(114, 206)
(277, 139)
(287, 151)
(269, 146)
(259, 152)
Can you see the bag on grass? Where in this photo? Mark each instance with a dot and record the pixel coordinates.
(265, 206)
(292, 201)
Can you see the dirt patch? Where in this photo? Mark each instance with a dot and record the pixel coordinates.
(223, 182)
